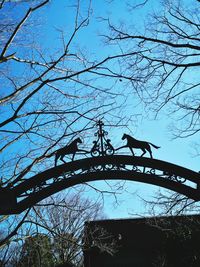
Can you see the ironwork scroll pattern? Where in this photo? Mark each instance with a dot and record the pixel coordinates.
(174, 177)
(103, 168)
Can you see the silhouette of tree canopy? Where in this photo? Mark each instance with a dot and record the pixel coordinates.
(52, 233)
(163, 67)
(50, 92)
(163, 72)
(36, 251)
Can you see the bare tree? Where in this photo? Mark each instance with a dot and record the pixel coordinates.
(163, 72)
(165, 60)
(50, 93)
(58, 221)
(64, 219)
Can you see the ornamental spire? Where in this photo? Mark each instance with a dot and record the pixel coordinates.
(102, 146)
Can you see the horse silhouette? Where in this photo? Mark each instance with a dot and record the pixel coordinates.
(134, 143)
(72, 148)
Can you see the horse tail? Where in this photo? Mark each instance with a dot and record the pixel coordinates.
(154, 146)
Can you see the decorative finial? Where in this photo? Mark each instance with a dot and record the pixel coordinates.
(102, 146)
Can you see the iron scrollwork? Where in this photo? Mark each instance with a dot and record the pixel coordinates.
(174, 177)
(151, 171)
(136, 169)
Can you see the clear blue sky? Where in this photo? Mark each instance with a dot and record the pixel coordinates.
(58, 15)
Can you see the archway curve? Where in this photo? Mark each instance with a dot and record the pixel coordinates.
(140, 169)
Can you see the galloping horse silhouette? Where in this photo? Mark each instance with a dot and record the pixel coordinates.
(72, 148)
(134, 143)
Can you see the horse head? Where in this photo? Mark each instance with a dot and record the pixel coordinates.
(124, 136)
(78, 140)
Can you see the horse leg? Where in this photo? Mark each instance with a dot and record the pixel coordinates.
(56, 159)
(73, 156)
(131, 149)
(61, 158)
(148, 148)
(144, 152)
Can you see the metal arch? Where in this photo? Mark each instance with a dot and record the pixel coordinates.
(140, 169)
(103, 165)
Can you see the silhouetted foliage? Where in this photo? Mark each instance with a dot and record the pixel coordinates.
(36, 251)
(52, 233)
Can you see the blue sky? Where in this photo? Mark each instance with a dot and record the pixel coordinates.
(179, 151)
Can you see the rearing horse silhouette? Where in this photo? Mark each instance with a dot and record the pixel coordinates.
(134, 143)
(72, 148)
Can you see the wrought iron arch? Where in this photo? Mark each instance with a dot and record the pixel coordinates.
(103, 165)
